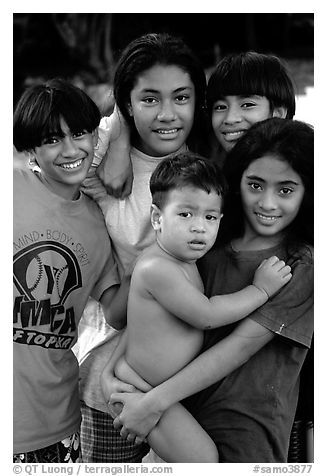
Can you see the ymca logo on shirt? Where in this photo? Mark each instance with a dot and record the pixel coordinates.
(45, 274)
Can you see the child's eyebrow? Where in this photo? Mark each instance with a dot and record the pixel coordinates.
(53, 133)
(282, 182)
(244, 96)
(177, 90)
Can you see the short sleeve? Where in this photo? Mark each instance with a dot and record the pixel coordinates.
(290, 312)
(109, 277)
(103, 140)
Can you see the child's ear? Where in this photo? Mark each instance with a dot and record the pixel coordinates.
(130, 109)
(31, 154)
(155, 217)
(280, 112)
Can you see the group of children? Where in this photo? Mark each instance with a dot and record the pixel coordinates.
(195, 383)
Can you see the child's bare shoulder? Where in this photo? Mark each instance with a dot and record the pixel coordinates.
(153, 264)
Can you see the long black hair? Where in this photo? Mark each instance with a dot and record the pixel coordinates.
(291, 141)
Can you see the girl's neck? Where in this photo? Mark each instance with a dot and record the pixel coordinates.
(249, 242)
(183, 148)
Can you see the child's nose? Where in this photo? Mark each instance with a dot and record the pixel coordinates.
(268, 201)
(233, 114)
(167, 111)
(198, 225)
(69, 147)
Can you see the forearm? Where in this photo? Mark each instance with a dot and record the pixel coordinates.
(114, 303)
(232, 307)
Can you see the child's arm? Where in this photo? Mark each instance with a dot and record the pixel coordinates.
(115, 171)
(141, 412)
(111, 170)
(114, 302)
(168, 285)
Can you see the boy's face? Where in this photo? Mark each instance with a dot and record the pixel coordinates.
(272, 193)
(162, 106)
(232, 116)
(188, 223)
(65, 161)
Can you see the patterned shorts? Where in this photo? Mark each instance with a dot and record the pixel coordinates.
(66, 451)
(102, 443)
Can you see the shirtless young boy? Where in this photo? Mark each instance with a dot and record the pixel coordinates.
(167, 310)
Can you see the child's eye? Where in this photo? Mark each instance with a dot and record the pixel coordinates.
(182, 98)
(248, 105)
(255, 186)
(211, 217)
(185, 214)
(150, 100)
(219, 107)
(77, 135)
(285, 191)
(50, 140)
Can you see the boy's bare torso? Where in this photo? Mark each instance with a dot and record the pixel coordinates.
(159, 343)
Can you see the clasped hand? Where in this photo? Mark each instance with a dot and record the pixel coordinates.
(136, 419)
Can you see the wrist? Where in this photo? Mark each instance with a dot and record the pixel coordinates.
(262, 291)
(158, 400)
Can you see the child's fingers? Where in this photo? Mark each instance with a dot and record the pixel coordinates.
(285, 270)
(287, 277)
(117, 398)
(117, 423)
(139, 440)
(126, 387)
(263, 262)
(273, 260)
(269, 261)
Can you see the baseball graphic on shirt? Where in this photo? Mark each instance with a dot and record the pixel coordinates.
(46, 271)
(44, 279)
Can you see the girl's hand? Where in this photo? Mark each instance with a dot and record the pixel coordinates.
(116, 173)
(94, 188)
(112, 385)
(138, 416)
(272, 275)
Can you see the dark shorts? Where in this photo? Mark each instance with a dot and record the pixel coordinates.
(66, 451)
(102, 443)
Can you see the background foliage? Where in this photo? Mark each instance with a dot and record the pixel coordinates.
(84, 47)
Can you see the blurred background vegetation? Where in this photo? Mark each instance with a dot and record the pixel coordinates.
(84, 47)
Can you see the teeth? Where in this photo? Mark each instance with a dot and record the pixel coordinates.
(72, 165)
(165, 131)
(234, 134)
(265, 217)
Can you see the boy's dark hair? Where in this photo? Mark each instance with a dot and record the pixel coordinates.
(186, 169)
(251, 73)
(288, 140)
(40, 108)
(160, 49)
